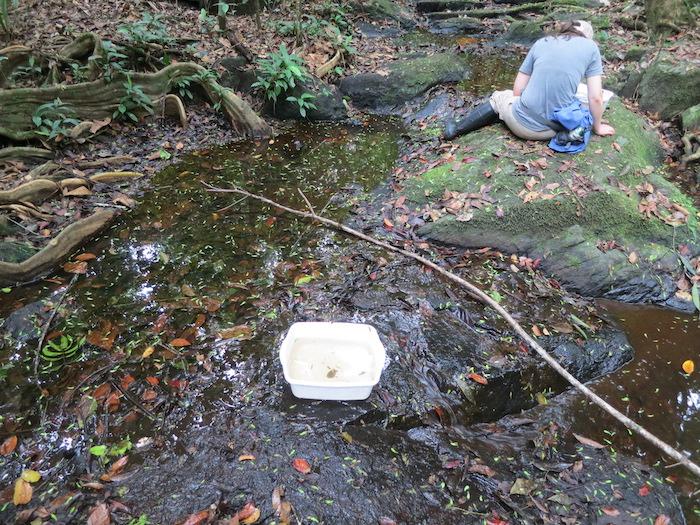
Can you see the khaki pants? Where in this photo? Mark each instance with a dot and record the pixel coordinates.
(502, 103)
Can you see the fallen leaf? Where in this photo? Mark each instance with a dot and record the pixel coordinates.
(99, 124)
(148, 352)
(23, 492)
(662, 519)
(688, 366)
(249, 514)
(8, 446)
(478, 378)
(197, 518)
(644, 490)
(522, 486)
(85, 257)
(149, 395)
(104, 336)
(388, 224)
(633, 258)
(246, 457)
(301, 465)
(241, 332)
(79, 267)
(99, 515)
(482, 469)
(80, 191)
(30, 476)
(180, 342)
(536, 330)
(610, 511)
(616, 146)
(588, 441)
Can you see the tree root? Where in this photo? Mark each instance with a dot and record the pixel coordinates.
(35, 191)
(691, 153)
(56, 250)
(98, 100)
(115, 176)
(493, 13)
(12, 57)
(172, 105)
(26, 209)
(24, 153)
(87, 47)
(326, 68)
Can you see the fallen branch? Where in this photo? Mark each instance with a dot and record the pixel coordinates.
(498, 12)
(115, 176)
(481, 296)
(56, 250)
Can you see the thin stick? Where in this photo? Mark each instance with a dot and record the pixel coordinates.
(47, 326)
(476, 292)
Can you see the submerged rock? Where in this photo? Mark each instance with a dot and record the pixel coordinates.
(403, 80)
(605, 222)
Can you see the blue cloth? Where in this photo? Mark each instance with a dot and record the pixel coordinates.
(571, 117)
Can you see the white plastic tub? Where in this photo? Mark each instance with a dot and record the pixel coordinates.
(333, 361)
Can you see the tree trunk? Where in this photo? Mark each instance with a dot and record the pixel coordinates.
(667, 16)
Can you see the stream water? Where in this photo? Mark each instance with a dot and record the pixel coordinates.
(225, 275)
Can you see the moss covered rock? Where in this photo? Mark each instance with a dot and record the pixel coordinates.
(602, 221)
(691, 118)
(403, 80)
(669, 86)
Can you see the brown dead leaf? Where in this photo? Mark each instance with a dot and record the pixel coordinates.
(587, 441)
(87, 256)
(616, 146)
(23, 492)
(97, 125)
(79, 267)
(80, 191)
(104, 336)
(149, 395)
(8, 446)
(633, 258)
(179, 342)
(482, 469)
(115, 468)
(246, 457)
(610, 511)
(536, 331)
(662, 519)
(241, 332)
(99, 515)
(198, 518)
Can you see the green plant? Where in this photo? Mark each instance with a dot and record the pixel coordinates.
(113, 61)
(54, 119)
(303, 102)
(29, 71)
(133, 100)
(141, 520)
(62, 351)
(149, 30)
(5, 13)
(279, 73)
(207, 22)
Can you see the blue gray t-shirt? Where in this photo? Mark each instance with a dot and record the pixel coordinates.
(556, 66)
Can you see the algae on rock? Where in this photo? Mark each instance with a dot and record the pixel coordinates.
(575, 208)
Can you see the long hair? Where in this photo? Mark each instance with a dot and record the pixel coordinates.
(567, 29)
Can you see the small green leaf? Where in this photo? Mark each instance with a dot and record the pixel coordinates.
(98, 450)
(695, 294)
(5, 290)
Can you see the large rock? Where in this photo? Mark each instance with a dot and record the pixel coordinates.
(403, 80)
(384, 10)
(691, 118)
(595, 219)
(328, 102)
(458, 26)
(669, 86)
(236, 74)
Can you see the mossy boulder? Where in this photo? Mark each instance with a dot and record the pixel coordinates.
(403, 80)
(691, 118)
(669, 86)
(384, 10)
(328, 102)
(583, 215)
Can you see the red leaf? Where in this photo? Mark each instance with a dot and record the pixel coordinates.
(197, 518)
(301, 465)
(126, 381)
(662, 519)
(153, 381)
(611, 511)
(644, 490)
(85, 257)
(8, 446)
(75, 267)
(478, 378)
(149, 395)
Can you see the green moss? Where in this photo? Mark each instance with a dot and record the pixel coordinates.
(691, 118)
(669, 87)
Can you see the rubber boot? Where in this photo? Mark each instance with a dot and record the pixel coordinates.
(480, 116)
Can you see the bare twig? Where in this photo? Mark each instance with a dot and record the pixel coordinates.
(484, 298)
(137, 404)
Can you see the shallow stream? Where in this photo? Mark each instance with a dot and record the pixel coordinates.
(187, 298)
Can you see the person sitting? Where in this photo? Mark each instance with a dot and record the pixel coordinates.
(549, 79)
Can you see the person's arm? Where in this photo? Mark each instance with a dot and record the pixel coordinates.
(521, 81)
(595, 104)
